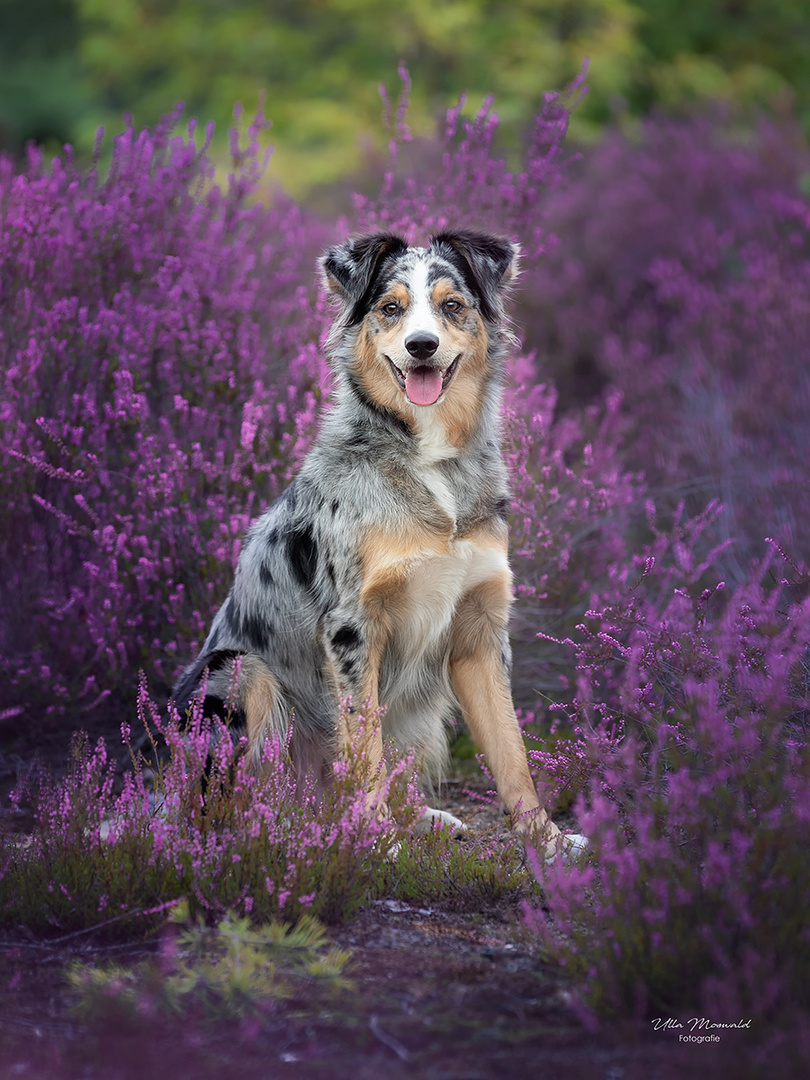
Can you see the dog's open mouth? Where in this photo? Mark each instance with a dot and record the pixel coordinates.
(424, 384)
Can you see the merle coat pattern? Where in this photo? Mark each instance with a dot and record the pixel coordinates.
(382, 573)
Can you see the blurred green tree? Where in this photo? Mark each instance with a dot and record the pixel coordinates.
(43, 93)
(321, 61)
(68, 65)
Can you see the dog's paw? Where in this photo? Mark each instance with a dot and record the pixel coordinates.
(567, 846)
(432, 817)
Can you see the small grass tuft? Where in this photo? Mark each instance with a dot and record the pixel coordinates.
(228, 972)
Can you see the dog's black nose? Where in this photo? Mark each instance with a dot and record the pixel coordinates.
(422, 346)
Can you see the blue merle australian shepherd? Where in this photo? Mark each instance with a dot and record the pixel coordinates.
(381, 575)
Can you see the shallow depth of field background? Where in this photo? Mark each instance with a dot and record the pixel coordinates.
(666, 276)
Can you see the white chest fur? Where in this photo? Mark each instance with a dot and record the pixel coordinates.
(435, 585)
(434, 448)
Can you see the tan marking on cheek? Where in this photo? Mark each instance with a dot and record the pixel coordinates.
(461, 407)
(376, 378)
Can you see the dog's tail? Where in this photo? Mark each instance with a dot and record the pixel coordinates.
(240, 686)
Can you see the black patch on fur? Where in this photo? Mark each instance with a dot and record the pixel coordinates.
(439, 272)
(256, 631)
(216, 660)
(359, 439)
(481, 259)
(265, 575)
(500, 508)
(346, 638)
(334, 507)
(272, 538)
(231, 615)
(330, 573)
(348, 668)
(359, 266)
(302, 552)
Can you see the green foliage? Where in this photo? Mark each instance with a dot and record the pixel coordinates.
(465, 873)
(229, 971)
(750, 52)
(69, 66)
(43, 92)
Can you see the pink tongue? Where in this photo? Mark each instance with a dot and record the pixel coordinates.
(423, 385)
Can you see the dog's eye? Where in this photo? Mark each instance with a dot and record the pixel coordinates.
(452, 307)
(391, 308)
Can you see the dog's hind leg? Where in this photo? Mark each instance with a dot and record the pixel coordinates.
(245, 685)
(263, 704)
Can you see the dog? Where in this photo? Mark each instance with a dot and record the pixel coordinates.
(381, 575)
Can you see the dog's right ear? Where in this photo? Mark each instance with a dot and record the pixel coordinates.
(352, 270)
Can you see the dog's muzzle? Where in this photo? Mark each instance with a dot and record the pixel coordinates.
(425, 383)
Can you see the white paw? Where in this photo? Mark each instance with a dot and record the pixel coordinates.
(431, 816)
(568, 847)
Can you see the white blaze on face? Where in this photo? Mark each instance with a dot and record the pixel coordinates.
(421, 318)
(423, 382)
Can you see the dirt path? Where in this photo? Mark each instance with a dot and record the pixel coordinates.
(433, 995)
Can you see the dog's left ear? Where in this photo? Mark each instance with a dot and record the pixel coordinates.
(488, 264)
(352, 269)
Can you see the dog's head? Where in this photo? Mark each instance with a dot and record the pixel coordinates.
(421, 328)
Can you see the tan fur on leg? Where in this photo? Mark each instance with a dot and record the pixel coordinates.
(482, 688)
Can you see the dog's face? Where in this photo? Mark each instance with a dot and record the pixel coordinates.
(423, 319)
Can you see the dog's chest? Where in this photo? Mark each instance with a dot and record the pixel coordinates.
(433, 450)
(433, 586)
(441, 491)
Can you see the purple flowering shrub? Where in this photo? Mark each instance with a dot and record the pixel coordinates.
(573, 507)
(681, 277)
(690, 746)
(160, 374)
(206, 828)
(460, 178)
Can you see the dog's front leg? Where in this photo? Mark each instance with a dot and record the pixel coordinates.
(480, 679)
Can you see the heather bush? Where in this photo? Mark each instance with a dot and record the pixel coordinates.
(162, 373)
(461, 178)
(195, 830)
(206, 829)
(160, 368)
(681, 278)
(162, 377)
(690, 743)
